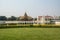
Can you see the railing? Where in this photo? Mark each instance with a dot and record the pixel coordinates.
(3, 22)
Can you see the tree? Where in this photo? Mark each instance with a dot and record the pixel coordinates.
(12, 18)
(34, 19)
(18, 18)
(59, 17)
(3, 18)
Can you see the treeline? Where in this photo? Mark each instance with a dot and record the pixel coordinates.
(4, 18)
(12, 18)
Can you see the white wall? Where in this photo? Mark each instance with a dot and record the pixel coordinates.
(18, 21)
(2, 22)
(57, 23)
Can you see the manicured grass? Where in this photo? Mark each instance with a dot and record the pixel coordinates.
(30, 34)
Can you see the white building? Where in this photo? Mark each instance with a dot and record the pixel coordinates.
(44, 19)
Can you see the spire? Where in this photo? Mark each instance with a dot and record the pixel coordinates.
(25, 17)
(25, 14)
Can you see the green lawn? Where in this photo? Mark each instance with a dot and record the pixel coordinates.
(30, 34)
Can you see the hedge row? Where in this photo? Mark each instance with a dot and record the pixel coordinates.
(31, 26)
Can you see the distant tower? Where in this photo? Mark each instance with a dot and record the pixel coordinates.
(25, 17)
(25, 14)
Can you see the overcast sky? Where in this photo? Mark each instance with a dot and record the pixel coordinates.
(32, 7)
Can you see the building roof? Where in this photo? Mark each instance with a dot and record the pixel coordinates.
(25, 17)
(22, 17)
(49, 17)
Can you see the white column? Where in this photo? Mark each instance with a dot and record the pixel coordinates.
(43, 20)
(37, 20)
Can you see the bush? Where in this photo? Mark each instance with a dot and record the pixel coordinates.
(29, 26)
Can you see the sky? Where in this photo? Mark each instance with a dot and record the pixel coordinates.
(33, 8)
